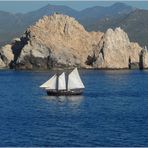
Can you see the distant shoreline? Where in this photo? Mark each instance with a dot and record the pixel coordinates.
(68, 69)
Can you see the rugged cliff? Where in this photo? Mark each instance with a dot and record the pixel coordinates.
(6, 56)
(115, 51)
(59, 41)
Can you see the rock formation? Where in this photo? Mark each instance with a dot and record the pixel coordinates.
(6, 56)
(59, 41)
(144, 59)
(116, 51)
(2, 64)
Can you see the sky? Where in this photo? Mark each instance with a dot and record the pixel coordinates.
(26, 6)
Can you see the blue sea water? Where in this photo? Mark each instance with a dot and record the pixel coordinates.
(113, 111)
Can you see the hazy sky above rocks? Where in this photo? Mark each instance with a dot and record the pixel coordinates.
(26, 6)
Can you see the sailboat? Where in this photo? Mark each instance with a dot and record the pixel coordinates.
(62, 85)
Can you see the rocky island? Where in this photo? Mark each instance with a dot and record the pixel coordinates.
(59, 41)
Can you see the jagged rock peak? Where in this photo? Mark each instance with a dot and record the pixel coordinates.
(58, 20)
(118, 34)
(57, 41)
(116, 51)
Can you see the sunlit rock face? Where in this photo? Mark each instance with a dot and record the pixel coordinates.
(59, 41)
(115, 51)
(144, 59)
(6, 56)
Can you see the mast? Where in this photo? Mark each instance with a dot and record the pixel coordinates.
(66, 81)
(57, 82)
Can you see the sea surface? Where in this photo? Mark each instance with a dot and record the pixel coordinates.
(113, 111)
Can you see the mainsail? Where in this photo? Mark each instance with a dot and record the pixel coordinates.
(62, 82)
(51, 83)
(74, 80)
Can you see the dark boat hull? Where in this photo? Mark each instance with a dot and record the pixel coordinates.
(64, 92)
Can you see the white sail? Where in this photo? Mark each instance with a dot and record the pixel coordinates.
(51, 83)
(62, 82)
(74, 80)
